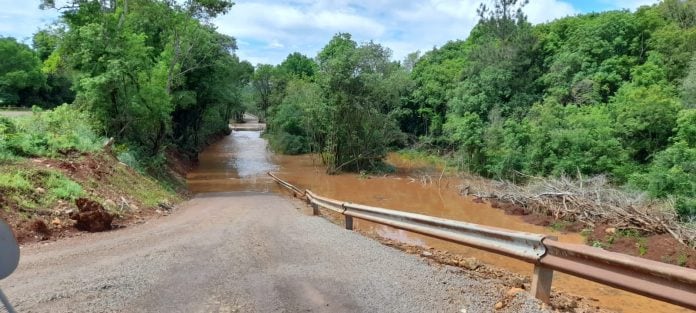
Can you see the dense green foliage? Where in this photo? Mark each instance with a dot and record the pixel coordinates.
(26, 81)
(19, 72)
(610, 93)
(602, 93)
(344, 106)
(152, 74)
(53, 133)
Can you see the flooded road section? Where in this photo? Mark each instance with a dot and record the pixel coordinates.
(238, 162)
(241, 160)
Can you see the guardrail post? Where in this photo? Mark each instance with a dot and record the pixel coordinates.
(541, 283)
(349, 222)
(349, 219)
(542, 279)
(315, 208)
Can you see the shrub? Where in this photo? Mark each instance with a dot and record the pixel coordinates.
(7, 128)
(52, 133)
(686, 207)
(673, 172)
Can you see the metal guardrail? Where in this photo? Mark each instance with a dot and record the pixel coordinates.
(661, 281)
(519, 245)
(296, 191)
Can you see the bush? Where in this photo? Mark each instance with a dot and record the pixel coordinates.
(289, 120)
(51, 133)
(686, 207)
(7, 128)
(672, 173)
(286, 143)
(127, 156)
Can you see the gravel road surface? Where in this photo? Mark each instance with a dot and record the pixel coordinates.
(241, 252)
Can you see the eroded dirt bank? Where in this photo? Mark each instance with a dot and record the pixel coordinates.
(40, 197)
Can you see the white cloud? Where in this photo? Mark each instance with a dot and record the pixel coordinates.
(268, 30)
(275, 44)
(539, 11)
(629, 4)
(276, 28)
(21, 19)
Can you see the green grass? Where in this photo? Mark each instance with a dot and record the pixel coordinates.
(682, 258)
(15, 113)
(15, 182)
(147, 190)
(31, 189)
(422, 157)
(559, 225)
(63, 188)
(598, 244)
(50, 133)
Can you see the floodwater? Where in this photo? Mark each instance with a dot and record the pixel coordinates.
(239, 162)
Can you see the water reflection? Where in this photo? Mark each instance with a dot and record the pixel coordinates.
(238, 162)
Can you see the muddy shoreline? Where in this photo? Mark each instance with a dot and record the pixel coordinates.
(440, 195)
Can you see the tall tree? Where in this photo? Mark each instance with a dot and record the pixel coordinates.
(20, 73)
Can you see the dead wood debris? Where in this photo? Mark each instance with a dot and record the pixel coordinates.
(592, 201)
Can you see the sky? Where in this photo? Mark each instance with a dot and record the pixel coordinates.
(268, 30)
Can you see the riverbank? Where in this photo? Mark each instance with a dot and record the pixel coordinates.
(418, 186)
(607, 217)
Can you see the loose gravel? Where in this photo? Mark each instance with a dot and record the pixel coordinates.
(242, 252)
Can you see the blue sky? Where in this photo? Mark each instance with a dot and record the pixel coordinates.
(268, 30)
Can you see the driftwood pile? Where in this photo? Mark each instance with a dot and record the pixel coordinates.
(593, 201)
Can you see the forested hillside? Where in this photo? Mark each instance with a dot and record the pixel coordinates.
(147, 83)
(610, 93)
(152, 74)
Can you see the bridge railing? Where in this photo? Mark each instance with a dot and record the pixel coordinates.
(661, 281)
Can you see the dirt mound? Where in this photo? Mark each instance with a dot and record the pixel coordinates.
(663, 247)
(92, 217)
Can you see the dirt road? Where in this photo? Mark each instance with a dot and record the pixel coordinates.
(241, 252)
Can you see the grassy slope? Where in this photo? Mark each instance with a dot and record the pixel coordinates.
(41, 191)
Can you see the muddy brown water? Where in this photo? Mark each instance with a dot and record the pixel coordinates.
(239, 162)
